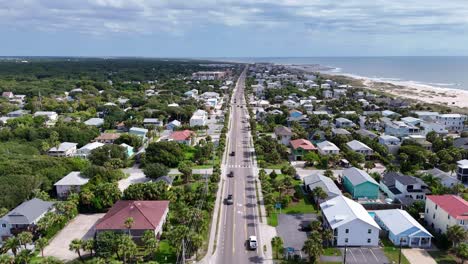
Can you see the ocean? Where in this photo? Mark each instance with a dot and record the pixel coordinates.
(442, 72)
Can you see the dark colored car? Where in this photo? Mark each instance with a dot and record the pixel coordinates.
(233, 153)
(230, 174)
(229, 199)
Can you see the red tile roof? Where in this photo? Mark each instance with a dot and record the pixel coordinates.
(146, 215)
(182, 135)
(454, 205)
(303, 143)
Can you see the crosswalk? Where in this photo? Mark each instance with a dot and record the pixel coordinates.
(239, 166)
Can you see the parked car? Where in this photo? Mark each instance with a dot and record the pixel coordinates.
(230, 174)
(305, 226)
(252, 242)
(233, 153)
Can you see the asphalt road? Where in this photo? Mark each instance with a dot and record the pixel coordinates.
(239, 220)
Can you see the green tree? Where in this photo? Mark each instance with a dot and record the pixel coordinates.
(129, 223)
(277, 243)
(150, 242)
(168, 153)
(456, 234)
(89, 245)
(329, 174)
(6, 259)
(75, 246)
(25, 238)
(12, 243)
(127, 248)
(462, 252)
(369, 165)
(24, 257)
(41, 243)
(185, 167)
(313, 246)
(155, 170)
(108, 154)
(319, 194)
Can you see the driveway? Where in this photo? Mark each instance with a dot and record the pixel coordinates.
(136, 175)
(418, 255)
(81, 227)
(365, 255)
(288, 229)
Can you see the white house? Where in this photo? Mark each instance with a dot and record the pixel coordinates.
(327, 94)
(427, 115)
(152, 122)
(51, 117)
(445, 178)
(462, 171)
(350, 223)
(359, 147)
(389, 140)
(24, 217)
(84, 151)
(65, 149)
(342, 122)
(327, 148)
(433, 126)
(70, 183)
(283, 135)
(290, 103)
(400, 129)
(402, 228)
(318, 180)
(452, 122)
(199, 118)
(97, 122)
(446, 210)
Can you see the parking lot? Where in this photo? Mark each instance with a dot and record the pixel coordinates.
(82, 227)
(288, 229)
(365, 255)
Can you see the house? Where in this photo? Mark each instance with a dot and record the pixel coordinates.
(64, 149)
(300, 147)
(8, 95)
(192, 93)
(443, 211)
(402, 228)
(389, 113)
(445, 178)
(360, 184)
(319, 180)
(97, 122)
(84, 151)
(186, 137)
(392, 143)
(17, 113)
(411, 120)
(283, 135)
(24, 217)
(107, 138)
(426, 115)
(461, 143)
(462, 171)
(173, 124)
(146, 215)
(51, 117)
(290, 103)
(155, 122)
(209, 95)
(421, 140)
(327, 93)
(342, 122)
(452, 122)
(340, 131)
(303, 121)
(400, 129)
(209, 75)
(403, 188)
(337, 93)
(350, 223)
(166, 179)
(70, 183)
(359, 147)
(137, 131)
(432, 126)
(199, 118)
(366, 133)
(327, 148)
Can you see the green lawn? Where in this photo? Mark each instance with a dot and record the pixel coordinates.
(165, 253)
(272, 219)
(331, 251)
(442, 257)
(276, 166)
(393, 252)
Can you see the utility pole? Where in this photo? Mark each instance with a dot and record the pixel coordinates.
(399, 255)
(345, 249)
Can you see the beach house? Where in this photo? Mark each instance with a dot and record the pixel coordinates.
(403, 188)
(199, 118)
(71, 183)
(283, 135)
(359, 147)
(462, 171)
(342, 122)
(360, 184)
(327, 148)
(443, 211)
(319, 180)
(452, 122)
(64, 149)
(300, 147)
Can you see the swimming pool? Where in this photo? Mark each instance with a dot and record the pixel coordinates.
(372, 214)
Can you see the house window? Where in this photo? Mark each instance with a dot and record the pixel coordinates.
(427, 210)
(433, 216)
(448, 216)
(462, 222)
(436, 206)
(3, 225)
(347, 231)
(346, 240)
(368, 240)
(369, 231)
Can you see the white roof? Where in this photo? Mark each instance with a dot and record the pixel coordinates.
(199, 112)
(45, 113)
(357, 145)
(388, 137)
(72, 179)
(463, 164)
(92, 145)
(94, 121)
(410, 119)
(452, 115)
(64, 146)
(327, 145)
(341, 210)
(398, 221)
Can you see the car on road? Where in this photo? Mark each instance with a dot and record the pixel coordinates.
(233, 153)
(252, 242)
(229, 199)
(305, 226)
(230, 174)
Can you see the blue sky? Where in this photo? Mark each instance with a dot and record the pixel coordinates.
(225, 28)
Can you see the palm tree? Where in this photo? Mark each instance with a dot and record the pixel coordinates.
(456, 234)
(41, 243)
(462, 252)
(25, 238)
(458, 188)
(50, 260)
(150, 241)
(277, 242)
(129, 223)
(6, 259)
(12, 243)
(313, 246)
(327, 236)
(329, 174)
(24, 256)
(76, 245)
(369, 165)
(316, 225)
(319, 194)
(88, 245)
(126, 248)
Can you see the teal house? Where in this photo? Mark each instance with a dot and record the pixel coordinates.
(128, 149)
(360, 184)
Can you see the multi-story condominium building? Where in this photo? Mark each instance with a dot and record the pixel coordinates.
(443, 211)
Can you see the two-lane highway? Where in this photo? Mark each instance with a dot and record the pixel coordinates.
(240, 219)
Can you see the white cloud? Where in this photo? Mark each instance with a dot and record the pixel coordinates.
(178, 16)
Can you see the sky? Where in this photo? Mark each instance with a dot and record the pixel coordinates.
(241, 28)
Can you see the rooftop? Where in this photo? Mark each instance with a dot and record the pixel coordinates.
(72, 179)
(283, 131)
(357, 176)
(454, 205)
(399, 221)
(302, 143)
